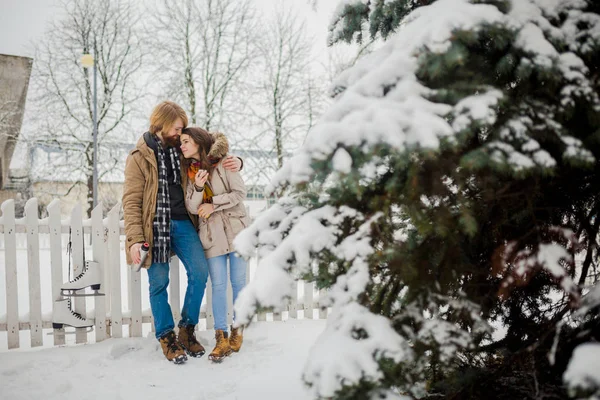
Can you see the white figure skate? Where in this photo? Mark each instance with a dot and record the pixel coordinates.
(89, 277)
(64, 315)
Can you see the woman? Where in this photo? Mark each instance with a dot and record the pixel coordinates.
(217, 196)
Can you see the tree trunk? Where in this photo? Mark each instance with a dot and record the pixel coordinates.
(90, 194)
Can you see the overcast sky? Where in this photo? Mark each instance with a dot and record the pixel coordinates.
(24, 21)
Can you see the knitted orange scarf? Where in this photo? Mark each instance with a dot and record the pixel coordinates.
(207, 195)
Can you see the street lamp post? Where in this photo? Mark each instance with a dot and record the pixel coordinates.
(87, 60)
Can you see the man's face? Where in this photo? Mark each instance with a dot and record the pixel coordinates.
(171, 137)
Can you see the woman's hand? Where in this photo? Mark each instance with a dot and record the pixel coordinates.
(201, 178)
(205, 210)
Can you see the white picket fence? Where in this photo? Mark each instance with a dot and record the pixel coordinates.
(119, 313)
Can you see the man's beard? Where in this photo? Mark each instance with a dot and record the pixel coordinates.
(172, 141)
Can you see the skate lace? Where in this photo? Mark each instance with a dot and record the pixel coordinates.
(85, 268)
(75, 314)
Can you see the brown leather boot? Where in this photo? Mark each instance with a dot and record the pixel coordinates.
(222, 348)
(171, 348)
(236, 338)
(187, 340)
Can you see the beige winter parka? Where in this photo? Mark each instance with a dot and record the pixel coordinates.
(139, 197)
(229, 217)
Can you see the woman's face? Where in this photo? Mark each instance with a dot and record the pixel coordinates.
(189, 148)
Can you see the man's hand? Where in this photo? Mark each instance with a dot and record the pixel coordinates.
(205, 210)
(134, 252)
(232, 163)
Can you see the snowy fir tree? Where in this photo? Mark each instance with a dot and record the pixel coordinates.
(448, 203)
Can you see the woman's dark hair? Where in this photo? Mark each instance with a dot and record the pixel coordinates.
(204, 140)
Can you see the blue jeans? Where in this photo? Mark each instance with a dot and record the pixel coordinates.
(217, 266)
(186, 245)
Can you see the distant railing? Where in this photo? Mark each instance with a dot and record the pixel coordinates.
(39, 255)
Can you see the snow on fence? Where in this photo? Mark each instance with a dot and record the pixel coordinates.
(39, 255)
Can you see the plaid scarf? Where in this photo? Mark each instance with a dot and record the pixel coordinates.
(161, 250)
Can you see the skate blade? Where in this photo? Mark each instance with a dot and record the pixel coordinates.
(67, 295)
(61, 332)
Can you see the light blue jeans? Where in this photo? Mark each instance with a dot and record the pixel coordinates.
(217, 266)
(186, 245)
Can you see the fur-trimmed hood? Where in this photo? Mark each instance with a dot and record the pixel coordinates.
(220, 147)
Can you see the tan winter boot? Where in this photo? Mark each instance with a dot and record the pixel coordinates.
(222, 348)
(236, 338)
(188, 341)
(171, 348)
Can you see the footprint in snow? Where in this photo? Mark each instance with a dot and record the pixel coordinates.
(120, 349)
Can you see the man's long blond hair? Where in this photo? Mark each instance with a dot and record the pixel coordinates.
(164, 116)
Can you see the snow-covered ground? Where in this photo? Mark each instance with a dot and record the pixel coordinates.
(269, 366)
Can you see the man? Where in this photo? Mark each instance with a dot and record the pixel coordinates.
(154, 212)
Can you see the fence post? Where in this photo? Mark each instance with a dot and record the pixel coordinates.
(55, 229)
(293, 305)
(106, 277)
(77, 250)
(135, 301)
(33, 264)
(98, 252)
(308, 300)
(114, 265)
(134, 295)
(10, 265)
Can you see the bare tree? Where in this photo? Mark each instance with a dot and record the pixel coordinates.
(64, 88)
(287, 95)
(206, 46)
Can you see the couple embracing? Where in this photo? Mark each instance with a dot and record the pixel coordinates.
(183, 195)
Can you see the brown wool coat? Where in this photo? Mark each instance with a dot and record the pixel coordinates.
(140, 193)
(229, 218)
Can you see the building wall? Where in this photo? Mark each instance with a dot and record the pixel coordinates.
(14, 82)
